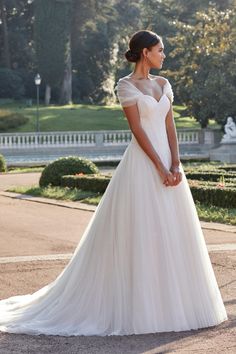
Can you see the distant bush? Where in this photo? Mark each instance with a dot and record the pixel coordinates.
(11, 84)
(3, 166)
(11, 120)
(71, 165)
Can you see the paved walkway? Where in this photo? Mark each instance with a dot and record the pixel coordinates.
(38, 237)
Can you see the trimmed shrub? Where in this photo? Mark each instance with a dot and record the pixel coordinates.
(9, 120)
(228, 167)
(71, 165)
(209, 176)
(92, 183)
(217, 195)
(3, 166)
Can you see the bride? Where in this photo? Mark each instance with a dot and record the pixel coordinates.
(142, 264)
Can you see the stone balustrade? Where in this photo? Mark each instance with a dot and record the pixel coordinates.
(64, 139)
(90, 139)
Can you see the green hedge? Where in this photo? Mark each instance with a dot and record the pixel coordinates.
(209, 195)
(71, 165)
(228, 167)
(209, 176)
(94, 183)
(209, 167)
(229, 183)
(3, 166)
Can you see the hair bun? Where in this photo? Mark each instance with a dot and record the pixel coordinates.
(131, 56)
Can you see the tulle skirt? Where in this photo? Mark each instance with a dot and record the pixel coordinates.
(141, 266)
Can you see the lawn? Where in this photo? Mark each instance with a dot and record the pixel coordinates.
(85, 117)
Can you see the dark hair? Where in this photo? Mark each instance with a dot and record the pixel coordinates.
(138, 41)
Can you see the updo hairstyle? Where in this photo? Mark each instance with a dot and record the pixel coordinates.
(138, 41)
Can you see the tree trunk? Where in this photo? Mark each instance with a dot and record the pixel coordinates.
(66, 87)
(47, 95)
(6, 51)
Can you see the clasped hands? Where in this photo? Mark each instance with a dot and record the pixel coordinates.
(172, 177)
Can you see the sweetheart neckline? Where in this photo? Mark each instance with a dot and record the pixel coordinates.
(162, 87)
(154, 97)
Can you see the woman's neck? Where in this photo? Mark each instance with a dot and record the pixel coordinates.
(140, 72)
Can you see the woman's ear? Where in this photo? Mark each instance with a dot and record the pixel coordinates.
(145, 52)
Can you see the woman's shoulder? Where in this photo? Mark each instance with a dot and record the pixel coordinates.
(125, 78)
(161, 80)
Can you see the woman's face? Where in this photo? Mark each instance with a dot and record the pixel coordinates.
(156, 56)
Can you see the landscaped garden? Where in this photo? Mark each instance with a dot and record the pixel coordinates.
(212, 184)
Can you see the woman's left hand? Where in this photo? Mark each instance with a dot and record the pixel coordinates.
(176, 174)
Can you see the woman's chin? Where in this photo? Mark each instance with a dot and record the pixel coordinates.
(159, 67)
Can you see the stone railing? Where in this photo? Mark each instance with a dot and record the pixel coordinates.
(188, 136)
(64, 139)
(92, 138)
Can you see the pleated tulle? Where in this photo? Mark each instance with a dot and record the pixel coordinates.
(141, 266)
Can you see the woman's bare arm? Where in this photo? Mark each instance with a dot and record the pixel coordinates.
(172, 138)
(174, 146)
(132, 115)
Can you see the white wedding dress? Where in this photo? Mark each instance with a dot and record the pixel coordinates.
(142, 265)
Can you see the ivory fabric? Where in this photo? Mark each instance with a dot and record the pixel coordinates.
(142, 264)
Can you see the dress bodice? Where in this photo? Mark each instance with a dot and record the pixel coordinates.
(130, 90)
(152, 111)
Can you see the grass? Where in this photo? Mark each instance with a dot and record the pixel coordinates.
(85, 117)
(205, 213)
(25, 169)
(53, 192)
(216, 214)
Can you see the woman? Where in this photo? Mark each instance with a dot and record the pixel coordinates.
(142, 264)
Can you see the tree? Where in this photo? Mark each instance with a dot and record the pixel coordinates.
(6, 50)
(205, 65)
(94, 49)
(52, 42)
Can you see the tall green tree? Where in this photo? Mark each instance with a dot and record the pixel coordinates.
(205, 72)
(5, 36)
(16, 34)
(52, 43)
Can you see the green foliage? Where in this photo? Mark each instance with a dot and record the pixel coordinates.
(58, 193)
(16, 49)
(3, 166)
(84, 117)
(216, 214)
(216, 187)
(205, 68)
(11, 84)
(52, 34)
(212, 195)
(209, 176)
(52, 173)
(199, 38)
(228, 168)
(9, 120)
(93, 183)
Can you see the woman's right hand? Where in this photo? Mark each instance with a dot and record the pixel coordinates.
(166, 176)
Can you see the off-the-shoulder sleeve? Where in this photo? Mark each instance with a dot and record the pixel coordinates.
(167, 89)
(127, 93)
